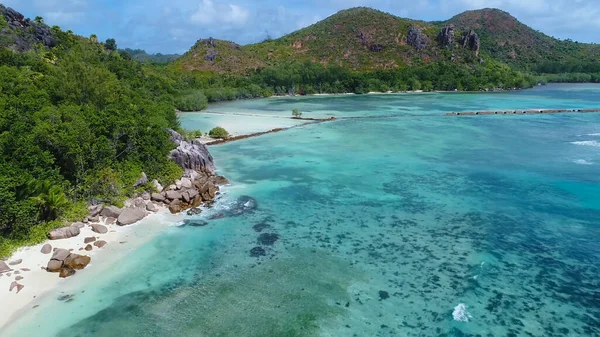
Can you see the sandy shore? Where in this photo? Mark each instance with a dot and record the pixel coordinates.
(37, 281)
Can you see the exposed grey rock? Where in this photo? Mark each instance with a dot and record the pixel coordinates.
(23, 33)
(4, 267)
(100, 243)
(158, 197)
(76, 261)
(46, 249)
(191, 156)
(192, 193)
(111, 212)
(94, 218)
(151, 207)
(472, 41)
(173, 195)
(145, 196)
(16, 262)
(60, 254)
(100, 229)
(63, 233)
(446, 36)
(416, 38)
(143, 180)
(130, 216)
(211, 55)
(185, 196)
(157, 185)
(89, 239)
(186, 183)
(54, 266)
(95, 210)
(79, 225)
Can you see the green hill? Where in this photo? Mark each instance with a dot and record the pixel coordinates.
(365, 39)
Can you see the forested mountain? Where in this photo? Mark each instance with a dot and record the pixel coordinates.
(141, 56)
(365, 39)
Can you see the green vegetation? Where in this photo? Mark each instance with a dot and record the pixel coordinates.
(142, 56)
(110, 44)
(296, 113)
(218, 132)
(191, 101)
(78, 123)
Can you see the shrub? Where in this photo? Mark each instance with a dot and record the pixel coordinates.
(218, 132)
(194, 101)
(296, 113)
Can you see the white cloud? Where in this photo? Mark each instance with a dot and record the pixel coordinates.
(208, 13)
(63, 18)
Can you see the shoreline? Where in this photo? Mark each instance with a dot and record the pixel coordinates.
(39, 283)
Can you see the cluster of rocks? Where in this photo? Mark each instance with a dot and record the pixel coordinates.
(66, 263)
(470, 39)
(187, 193)
(446, 36)
(23, 32)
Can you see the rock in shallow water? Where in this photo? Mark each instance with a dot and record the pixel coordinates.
(257, 252)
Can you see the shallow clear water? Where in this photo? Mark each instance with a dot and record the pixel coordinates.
(384, 226)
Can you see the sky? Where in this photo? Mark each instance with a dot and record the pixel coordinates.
(173, 26)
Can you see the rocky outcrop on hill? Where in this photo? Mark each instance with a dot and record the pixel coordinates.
(472, 41)
(446, 36)
(21, 33)
(416, 38)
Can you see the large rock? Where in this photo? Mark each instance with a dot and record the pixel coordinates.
(76, 261)
(130, 216)
(54, 266)
(66, 272)
(46, 249)
(191, 156)
(60, 254)
(416, 38)
(95, 210)
(63, 233)
(186, 183)
(151, 207)
(472, 41)
(158, 197)
(446, 36)
(4, 267)
(173, 195)
(100, 229)
(111, 212)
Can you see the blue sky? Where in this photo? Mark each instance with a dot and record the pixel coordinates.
(172, 26)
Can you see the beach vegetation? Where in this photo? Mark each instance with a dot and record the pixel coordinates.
(296, 113)
(218, 132)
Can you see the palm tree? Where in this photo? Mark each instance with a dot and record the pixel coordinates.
(50, 198)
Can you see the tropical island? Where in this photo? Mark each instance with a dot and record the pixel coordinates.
(90, 136)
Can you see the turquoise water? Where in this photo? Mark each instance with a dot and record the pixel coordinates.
(414, 225)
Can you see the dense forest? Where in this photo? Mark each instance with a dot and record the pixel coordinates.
(78, 124)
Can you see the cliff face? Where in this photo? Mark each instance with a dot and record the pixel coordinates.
(22, 34)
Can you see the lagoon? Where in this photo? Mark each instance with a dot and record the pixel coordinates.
(406, 223)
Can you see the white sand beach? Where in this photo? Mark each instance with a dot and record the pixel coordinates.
(37, 281)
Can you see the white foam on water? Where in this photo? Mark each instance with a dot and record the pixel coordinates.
(594, 134)
(594, 143)
(460, 313)
(582, 162)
